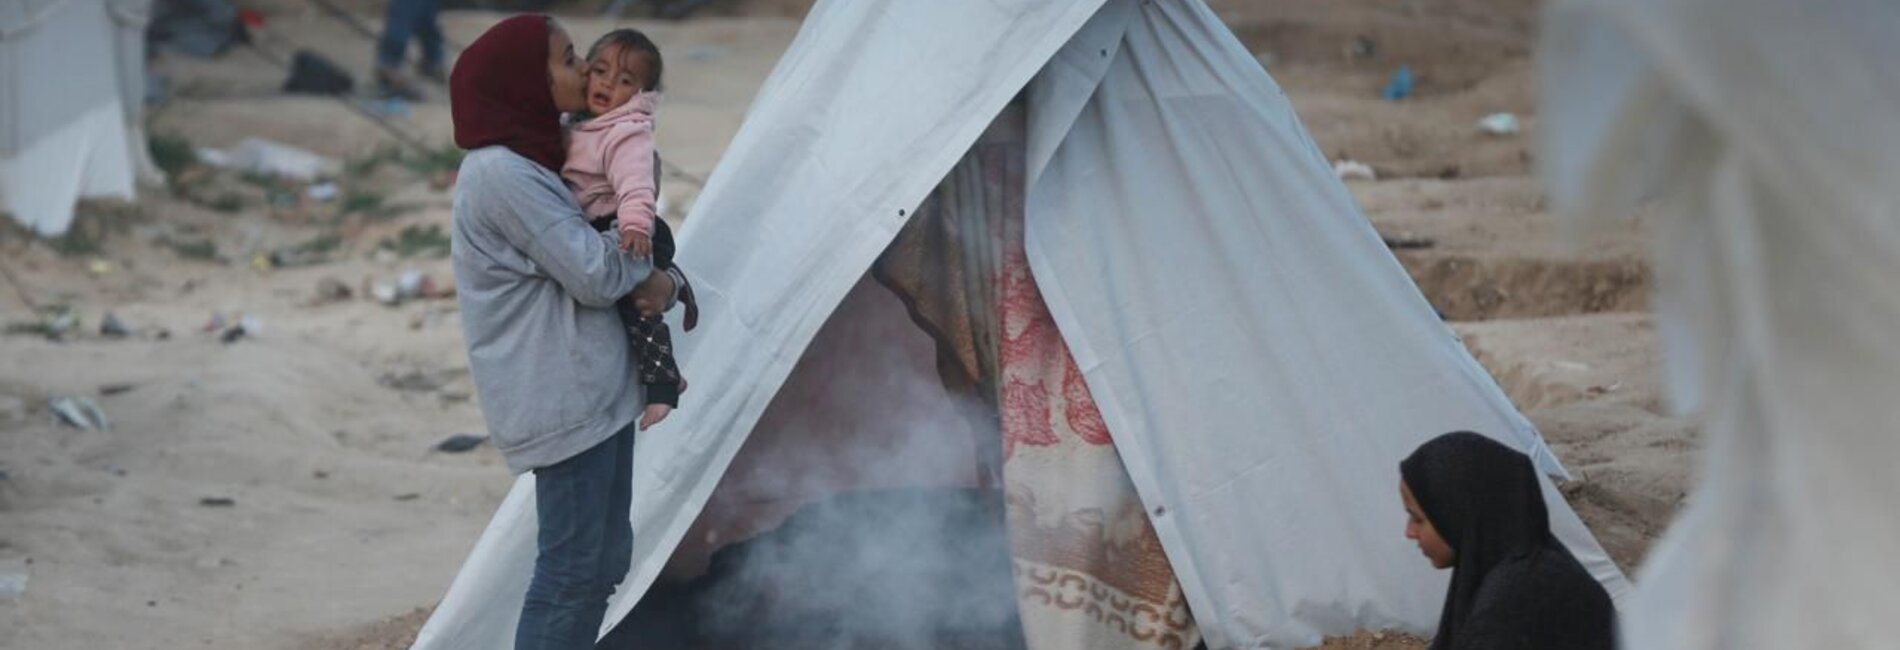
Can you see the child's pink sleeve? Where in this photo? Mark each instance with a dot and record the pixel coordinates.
(630, 168)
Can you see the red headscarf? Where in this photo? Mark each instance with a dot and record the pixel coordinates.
(498, 93)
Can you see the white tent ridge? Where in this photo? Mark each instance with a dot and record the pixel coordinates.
(1261, 360)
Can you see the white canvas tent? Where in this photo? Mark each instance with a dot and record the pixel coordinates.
(1762, 134)
(72, 88)
(1260, 359)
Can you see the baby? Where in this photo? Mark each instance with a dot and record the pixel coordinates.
(614, 173)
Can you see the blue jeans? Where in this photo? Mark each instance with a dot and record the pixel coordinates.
(406, 18)
(585, 545)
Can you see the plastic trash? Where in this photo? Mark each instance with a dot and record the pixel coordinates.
(410, 285)
(1499, 124)
(61, 322)
(1401, 85)
(1408, 241)
(314, 74)
(247, 325)
(322, 192)
(385, 293)
(111, 327)
(1350, 170)
(80, 412)
(261, 156)
(460, 442)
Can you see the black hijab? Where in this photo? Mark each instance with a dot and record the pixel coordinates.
(1485, 500)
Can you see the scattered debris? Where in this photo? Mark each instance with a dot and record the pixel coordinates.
(408, 496)
(216, 323)
(217, 502)
(80, 412)
(1451, 172)
(55, 323)
(322, 192)
(385, 293)
(208, 562)
(246, 326)
(313, 74)
(1401, 85)
(1363, 47)
(1350, 170)
(12, 585)
(111, 328)
(101, 268)
(1604, 390)
(1499, 124)
(315, 251)
(261, 156)
(332, 290)
(410, 285)
(460, 442)
(414, 380)
(1408, 241)
(319, 474)
(108, 390)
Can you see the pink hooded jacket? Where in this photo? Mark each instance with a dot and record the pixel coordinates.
(610, 164)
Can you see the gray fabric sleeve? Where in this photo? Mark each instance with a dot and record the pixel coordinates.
(541, 219)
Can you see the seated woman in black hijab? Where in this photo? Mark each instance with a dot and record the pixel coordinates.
(1476, 508)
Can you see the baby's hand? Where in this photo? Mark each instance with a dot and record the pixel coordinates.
(653, 415)
(635, 242)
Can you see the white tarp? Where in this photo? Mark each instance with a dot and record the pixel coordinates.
(1262, 361)
(1763, 132)
(72, 79)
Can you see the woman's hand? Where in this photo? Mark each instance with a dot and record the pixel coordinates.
(652, 296)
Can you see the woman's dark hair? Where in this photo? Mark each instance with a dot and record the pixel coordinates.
(633, 43)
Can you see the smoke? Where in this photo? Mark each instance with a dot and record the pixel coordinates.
(891, 544)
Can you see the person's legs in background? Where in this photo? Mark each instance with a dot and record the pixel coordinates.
(582, 506)
(428, 30)
(399, 23)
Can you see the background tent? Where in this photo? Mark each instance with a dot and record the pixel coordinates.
(1763, 132)
(1259, 357)
(72, 87)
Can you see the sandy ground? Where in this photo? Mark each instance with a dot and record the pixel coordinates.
(332, 523)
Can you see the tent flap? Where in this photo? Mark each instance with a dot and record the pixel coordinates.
(1261, 359)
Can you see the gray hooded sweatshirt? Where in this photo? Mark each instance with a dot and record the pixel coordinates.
(537, 286)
